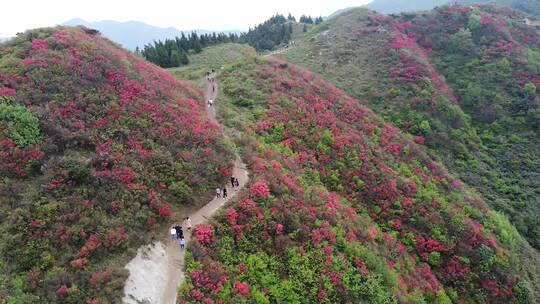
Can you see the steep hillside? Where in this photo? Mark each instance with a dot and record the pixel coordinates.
(463, 80)
(344, 208)
(97, 149)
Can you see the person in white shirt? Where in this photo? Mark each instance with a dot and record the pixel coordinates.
(173, 233)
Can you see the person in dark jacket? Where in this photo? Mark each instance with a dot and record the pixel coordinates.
(179, 232)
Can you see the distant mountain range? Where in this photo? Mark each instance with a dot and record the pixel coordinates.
(529, 6)
(131, 34)
(398, 6)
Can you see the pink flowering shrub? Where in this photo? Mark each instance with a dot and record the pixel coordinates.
(210, 278)
(204, 234)
(39, 45)
(260, 189)
(241, 288)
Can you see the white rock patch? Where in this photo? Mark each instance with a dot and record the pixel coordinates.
(147, 275)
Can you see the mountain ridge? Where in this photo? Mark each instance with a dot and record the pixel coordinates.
(400, 6)
(132, 34)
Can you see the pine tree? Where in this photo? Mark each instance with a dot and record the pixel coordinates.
(175, 59)
(183, 58)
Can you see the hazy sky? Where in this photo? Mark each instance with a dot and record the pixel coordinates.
(20, 15)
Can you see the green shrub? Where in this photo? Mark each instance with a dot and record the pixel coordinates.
(434, 258)
(19, 124)
(181, 191)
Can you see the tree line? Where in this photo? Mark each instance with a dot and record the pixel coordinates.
(273, 32)
(174, 52)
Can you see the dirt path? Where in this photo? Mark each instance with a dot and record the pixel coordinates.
(281, 50)
(157, 270)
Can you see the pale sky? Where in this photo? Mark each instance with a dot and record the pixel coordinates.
(21, 15)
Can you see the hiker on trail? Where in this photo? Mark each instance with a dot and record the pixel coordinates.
(224, 192)
(213, 88)
(210, 102)
(182, 244)
(173, 233)
(233, 181)
(179, 232)
(188, 221)
(236, 183)
(218, 192)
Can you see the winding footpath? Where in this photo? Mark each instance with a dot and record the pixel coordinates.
(281, 50)
(158, 269)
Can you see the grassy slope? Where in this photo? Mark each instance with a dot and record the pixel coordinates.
(353, 52)
(97, 148)
(210, 58)
(340, 209)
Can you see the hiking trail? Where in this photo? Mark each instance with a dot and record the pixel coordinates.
(158, 269)
(281, 50)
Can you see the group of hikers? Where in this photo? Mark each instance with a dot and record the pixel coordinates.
(178, 233)
(211, 79)
(222, 192)
(210, 75)
(176, 230)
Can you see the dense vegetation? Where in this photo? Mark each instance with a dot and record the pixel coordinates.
(343, 208)
(174, 52)
(463, 80)
(276, 31)
(97, 147)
